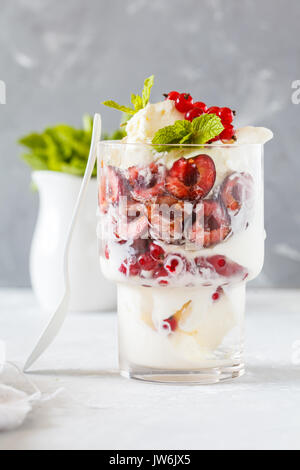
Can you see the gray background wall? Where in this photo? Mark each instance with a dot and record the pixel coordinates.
(59, 59)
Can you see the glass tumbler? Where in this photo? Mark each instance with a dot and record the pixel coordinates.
(181, 231)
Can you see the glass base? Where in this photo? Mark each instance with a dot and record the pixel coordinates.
(203, 376)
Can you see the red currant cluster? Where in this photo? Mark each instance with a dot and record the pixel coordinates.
(184, 104)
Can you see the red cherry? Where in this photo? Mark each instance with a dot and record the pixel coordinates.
(226, 115)
(146, 262)
(132, 173)
(177, 179)
(173, 95)
(193, 114)
(184, 103)
(149, 183)
(228, 133)
(221, 262)
(113, 184)
(237, 190)
(191, 179)
(214, 110)
(201, 106)
(172, 322)
(156, 251)
(180, 169)
(206, 175)
(214, 227)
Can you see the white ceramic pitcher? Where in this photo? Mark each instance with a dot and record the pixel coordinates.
(89, 290)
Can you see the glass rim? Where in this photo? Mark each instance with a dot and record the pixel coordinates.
(178, 146)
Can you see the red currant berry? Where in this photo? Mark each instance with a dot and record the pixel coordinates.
(172, 322)
(123, 269)
(215, 139)
(226, 116)
(156, 251)
(173, 95)
(214, 110)
(221, 262)
(163, 283)
(193, 114)
(227, 134)
(218, 294)
(184, 103)
(146, 262)
(201, 106)
(173, 265)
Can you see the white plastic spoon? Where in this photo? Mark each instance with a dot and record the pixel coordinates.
(59, 316)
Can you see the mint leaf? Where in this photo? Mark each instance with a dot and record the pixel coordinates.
(36, 162)
(62, 148)
(187, 138)
(33, 141)
(206, 127)
(171, 135)
(148, 84)
(183, 128)
(138, 102)
(199, 131)
(59, 148)
(124, 109)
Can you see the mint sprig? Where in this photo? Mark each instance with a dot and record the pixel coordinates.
(124, 109)
(62, 148)
(200, 131)
(138, 102)
(148, 84)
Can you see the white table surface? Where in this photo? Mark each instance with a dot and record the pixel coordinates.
(99, 410)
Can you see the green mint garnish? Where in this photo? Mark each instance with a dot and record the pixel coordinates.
(206, 127)
(62, 148)
(124, 109)
(138, 102)
(148, 84)
(200, 131)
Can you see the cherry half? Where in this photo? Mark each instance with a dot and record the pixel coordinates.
(191, 179)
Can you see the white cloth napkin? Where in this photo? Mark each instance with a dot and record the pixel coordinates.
(18, 394)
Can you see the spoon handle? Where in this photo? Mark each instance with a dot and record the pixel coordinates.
(58, 318)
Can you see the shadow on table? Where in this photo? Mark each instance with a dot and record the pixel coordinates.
(284, 375)
(270, 375)
(76, 372)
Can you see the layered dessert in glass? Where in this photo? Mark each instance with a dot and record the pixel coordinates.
(181, 231)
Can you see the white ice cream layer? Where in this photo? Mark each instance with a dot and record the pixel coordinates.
(205, 325)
